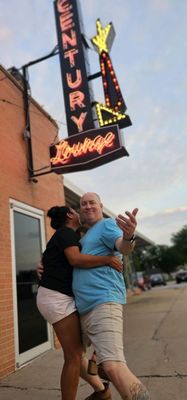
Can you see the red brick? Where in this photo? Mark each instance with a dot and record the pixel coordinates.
(15, 184)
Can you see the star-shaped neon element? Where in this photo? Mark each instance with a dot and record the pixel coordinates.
(104, 38)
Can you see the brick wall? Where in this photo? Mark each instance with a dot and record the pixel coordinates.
(15, 184)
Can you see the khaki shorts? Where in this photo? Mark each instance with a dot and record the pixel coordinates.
(103, 328)
(54, 305)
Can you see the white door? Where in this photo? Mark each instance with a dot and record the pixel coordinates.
(33, 335)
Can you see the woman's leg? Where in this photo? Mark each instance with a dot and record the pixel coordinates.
(68, 333)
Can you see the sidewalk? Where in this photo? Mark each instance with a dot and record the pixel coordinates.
(39, 380)
(155, 347)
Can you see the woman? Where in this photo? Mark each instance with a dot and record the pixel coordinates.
(55, 297)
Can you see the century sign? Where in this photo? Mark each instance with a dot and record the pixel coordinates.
(73, 70)
(86, 146)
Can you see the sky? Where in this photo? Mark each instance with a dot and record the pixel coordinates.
(149, 56)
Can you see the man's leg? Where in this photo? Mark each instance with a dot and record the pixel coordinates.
(105, 327)
(126, 383)
(101, 390)
(93, 380)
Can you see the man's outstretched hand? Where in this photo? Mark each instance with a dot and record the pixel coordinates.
(127, 223)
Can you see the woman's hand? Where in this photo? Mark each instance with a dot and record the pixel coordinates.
(39, 270)
(115, 263)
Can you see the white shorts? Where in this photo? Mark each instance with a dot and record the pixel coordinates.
(103, 328)
(54, 305)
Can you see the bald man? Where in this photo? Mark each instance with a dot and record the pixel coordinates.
(100, 295)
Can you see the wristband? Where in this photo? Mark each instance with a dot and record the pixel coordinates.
(131, 240)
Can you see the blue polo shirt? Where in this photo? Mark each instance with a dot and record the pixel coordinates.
(99, 285)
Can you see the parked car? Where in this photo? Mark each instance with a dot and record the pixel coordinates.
(157, 279)
(181, 276)
(143, 280)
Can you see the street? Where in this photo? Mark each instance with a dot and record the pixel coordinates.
(156, 340)
(155, 347)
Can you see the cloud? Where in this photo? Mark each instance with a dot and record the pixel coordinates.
(27, 34)
(160, 227)
(5, 33)
(175, 210)
(161, 6)
(167, 212)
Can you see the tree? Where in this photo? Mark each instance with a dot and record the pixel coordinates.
(170, 259)
(161, 257)
(179, 240)
(158, 258)
(147, 258)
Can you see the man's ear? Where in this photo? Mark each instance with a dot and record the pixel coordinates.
(101, 204)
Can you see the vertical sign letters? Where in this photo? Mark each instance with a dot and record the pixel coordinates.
(73, 69)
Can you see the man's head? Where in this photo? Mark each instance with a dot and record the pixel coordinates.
(91, 208)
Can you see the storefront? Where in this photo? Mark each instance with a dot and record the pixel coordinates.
(25, 229)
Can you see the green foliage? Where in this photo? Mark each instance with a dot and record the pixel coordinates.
(163, 258)
(179, 240)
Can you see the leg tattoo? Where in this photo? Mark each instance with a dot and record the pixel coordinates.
(139, 392)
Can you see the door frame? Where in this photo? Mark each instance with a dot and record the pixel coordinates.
(36, 351)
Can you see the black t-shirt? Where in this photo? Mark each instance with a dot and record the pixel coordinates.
(57, 273)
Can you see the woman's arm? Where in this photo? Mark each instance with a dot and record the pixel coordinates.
(79, 260)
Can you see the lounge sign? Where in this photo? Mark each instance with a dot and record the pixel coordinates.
(87, 150)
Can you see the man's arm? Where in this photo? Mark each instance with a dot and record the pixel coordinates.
(125, 244)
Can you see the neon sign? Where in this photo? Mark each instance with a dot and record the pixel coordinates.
(65, 151)
(114, 109)
(86, 151)
(86, 146)
(73, 69)
(107, 116)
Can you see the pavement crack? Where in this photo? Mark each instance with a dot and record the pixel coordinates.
(28, 388)
(176, 375)
(155, 333)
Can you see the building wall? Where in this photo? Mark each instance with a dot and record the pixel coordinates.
(15, 184)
